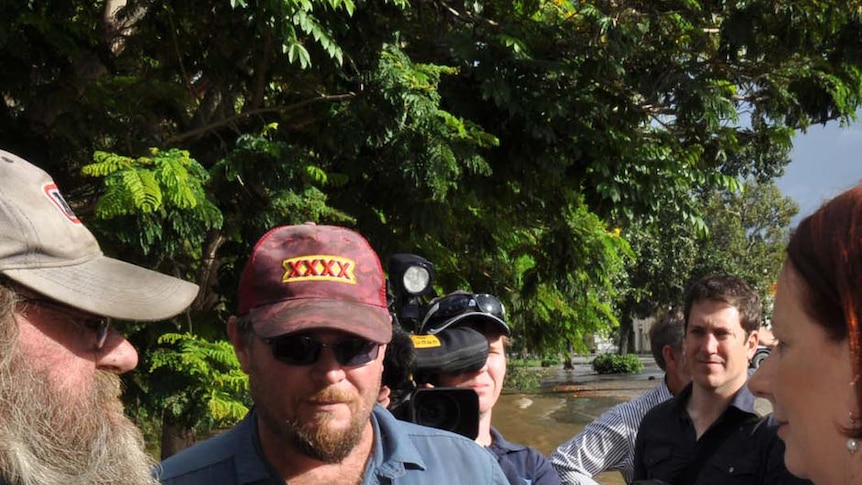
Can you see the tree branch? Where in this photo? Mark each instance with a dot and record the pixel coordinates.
(255, 112)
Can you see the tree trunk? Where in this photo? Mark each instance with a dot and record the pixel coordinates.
(625, 333)
(175, 437)
(567, 360)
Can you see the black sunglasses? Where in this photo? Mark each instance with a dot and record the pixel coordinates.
(304, 350)
(453, 305)
(96, 324)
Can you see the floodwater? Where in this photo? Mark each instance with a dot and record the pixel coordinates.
(568, 401)
(540, 421)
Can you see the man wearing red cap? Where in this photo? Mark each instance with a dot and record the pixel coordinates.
(311, 332)
(61, 419)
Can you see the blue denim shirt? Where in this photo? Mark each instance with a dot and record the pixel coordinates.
(404, 453)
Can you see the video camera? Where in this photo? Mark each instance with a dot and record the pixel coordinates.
(455, 351)
(414, 359)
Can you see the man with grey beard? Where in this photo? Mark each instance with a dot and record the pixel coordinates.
(61, 418)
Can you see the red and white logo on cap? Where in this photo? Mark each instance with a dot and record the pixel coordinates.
(56, 197)
(319, 268)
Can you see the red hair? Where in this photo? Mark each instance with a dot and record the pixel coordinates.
(826, 252)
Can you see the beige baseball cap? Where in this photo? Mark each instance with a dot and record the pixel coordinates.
(46, 248)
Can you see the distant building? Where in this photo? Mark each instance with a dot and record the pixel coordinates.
(603, 345)
(641, 327)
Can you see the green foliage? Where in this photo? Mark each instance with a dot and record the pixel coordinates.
(160, 198)
(504, 141)
(617, 364)
(401, 116)
(523, 379)
(299, 22)
(200, 382)
(266, 181)
(524, 376)
(587, 260)
(747, 234)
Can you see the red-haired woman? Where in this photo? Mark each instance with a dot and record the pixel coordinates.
(812, 377)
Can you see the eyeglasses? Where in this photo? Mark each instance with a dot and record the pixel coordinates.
(453, 305)
(303, 350)
(97, 324)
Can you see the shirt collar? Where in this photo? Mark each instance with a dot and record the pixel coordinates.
(743, 400)
(251, 464)
(393, 452)
(497, 441)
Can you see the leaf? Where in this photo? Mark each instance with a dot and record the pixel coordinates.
(143, 189)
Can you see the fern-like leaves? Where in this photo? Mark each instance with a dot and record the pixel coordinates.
(164, 192)
(200, 382)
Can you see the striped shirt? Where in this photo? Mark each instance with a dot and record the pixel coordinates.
(608, 443)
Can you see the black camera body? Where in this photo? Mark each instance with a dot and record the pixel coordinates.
(452, 409)
(414, 361)
(455, 351)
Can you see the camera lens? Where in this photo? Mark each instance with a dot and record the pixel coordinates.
(438, 410)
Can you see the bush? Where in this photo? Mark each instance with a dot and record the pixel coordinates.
(617, 364)
(523, 379)
(525, 375)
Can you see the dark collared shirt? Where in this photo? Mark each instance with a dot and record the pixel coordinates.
(750, 453)
(521, 464)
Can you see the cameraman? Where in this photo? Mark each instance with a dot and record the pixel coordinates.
(484, 313)
(408, 369)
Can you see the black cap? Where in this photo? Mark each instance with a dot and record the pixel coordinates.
(455, 351)
(461, 307)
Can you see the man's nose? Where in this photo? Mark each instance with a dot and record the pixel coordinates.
(709, 343)
(118, 355)
(327, 367)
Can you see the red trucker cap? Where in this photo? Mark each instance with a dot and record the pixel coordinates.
(308, 277)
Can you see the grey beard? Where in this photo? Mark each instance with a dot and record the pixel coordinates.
(48, 437)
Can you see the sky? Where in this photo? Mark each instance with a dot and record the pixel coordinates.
(824, 162)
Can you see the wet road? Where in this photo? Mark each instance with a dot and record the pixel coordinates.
(569, 400)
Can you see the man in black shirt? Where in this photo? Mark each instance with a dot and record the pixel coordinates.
(710, 433)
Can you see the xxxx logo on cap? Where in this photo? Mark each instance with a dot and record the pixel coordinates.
(318, 259)
(319, 268)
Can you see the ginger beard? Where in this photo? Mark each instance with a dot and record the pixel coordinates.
(319, 438)
(50, 436)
